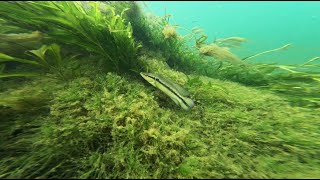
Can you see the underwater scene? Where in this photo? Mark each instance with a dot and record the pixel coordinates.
(137, 89)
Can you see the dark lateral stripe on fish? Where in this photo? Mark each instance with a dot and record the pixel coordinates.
(171, 90)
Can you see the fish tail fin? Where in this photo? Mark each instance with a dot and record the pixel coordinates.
(189, 102)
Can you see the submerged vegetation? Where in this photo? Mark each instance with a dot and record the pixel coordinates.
(47, 58)
(87, 113)
(85, 28)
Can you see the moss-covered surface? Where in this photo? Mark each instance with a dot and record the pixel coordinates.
(102, 120)
(108, 126)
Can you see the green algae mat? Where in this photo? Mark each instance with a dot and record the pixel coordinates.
(73, 103)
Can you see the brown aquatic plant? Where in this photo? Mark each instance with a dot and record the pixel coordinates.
(230, 42)
(200, 41)
(217, 52)
(170, 32)
(285, 47)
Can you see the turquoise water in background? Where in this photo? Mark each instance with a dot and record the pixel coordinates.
(266, 24)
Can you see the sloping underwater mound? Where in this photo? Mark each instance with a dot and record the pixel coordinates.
(111, 126)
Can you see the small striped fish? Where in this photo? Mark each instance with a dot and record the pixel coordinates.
(173, 90)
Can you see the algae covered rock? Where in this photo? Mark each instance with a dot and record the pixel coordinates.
(111, 126)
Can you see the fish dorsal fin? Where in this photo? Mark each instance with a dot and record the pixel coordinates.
(177, 87)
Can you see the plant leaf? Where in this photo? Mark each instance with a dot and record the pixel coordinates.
(18, 74)
(6, 58)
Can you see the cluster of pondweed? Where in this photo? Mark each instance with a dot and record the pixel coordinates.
(45, 60)
(105, 34)
(22, 111)
(156, 34)
(151, 30)
(30, 97)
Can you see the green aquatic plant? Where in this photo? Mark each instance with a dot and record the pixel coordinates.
(2, 66)
(106, 35)
(16, 41)
(21, 37)
(300, 86)
(179, 56)
(47, 58)
(299, 83)
(310, 61)
(6, 58)
(149, 30)
(177, 53)
(30, 98)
